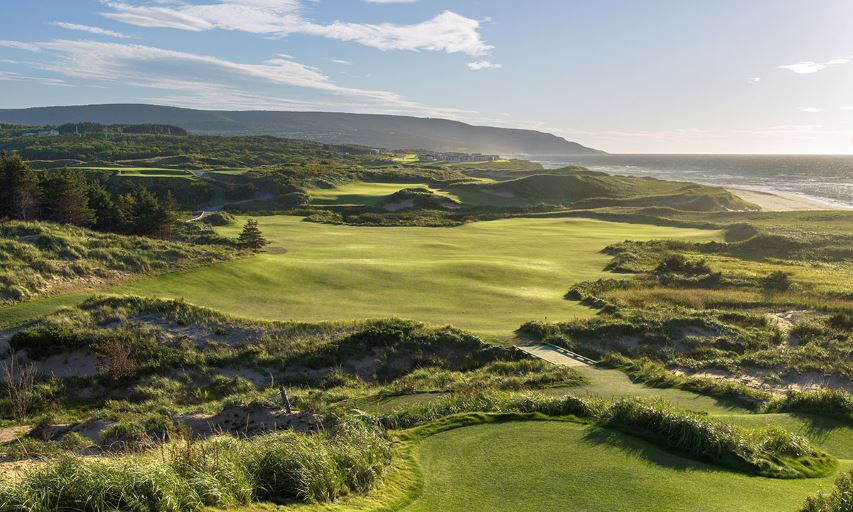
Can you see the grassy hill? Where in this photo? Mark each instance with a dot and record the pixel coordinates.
(585, 189)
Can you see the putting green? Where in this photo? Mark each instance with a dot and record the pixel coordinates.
(142, 172)
(360, 193)
(487, 277)
(544, 466)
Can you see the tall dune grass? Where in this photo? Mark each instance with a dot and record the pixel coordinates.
(222, 472)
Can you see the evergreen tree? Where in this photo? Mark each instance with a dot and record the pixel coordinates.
(140, 212)
(251, 236)
(106, 212)
(168, 215)
(19, 189)
(66, 199)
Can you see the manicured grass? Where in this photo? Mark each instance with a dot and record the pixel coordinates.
(487, 277)
(602, 383)
(606, 383)
(230, 171)
(143, 172)
(361, 193)
(541, 466)
(23, 312)
(406, 159)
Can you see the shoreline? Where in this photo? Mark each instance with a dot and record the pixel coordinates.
(782, 201)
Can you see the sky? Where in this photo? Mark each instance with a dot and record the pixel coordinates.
(625, 76)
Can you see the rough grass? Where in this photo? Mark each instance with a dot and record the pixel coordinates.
(221, 471)
(40, 257)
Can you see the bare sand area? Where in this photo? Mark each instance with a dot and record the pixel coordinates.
(780, 201)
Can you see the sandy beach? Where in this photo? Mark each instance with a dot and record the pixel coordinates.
(780, 201)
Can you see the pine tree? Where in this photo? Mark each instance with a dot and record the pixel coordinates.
(140, 212)
(251, 236)
(168, 215)
(66, 198)
(19, 189)
(106, 212)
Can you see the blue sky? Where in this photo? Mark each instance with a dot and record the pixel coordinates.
(652, 76)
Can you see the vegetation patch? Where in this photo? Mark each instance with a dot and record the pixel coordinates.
(39, 257)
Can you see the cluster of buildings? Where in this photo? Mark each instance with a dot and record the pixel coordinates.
(457, 157)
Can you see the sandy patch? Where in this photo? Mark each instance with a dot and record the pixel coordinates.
(9, 434)
(749, 379)
(248, 421)
(756, 378)
(12, 472)
(79, 363)
(781, 202)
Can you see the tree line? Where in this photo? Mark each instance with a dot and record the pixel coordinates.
(67, 197)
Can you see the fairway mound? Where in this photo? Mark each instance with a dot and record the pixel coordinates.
(585, 189)
(220, 218)
(418, 199)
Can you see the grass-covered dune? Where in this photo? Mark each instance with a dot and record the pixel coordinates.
(585, 189)
(40, 257)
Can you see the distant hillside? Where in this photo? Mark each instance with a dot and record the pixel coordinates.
(328, 127)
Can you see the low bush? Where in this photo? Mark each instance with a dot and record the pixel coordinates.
(839, 500)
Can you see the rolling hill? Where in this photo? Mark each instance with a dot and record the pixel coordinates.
(327, 127)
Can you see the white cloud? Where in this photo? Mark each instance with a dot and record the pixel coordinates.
(342, 62)
(448, 32)
(846, 108)
(8, 76)
(755, 79)
(390, 1)
(811, 110)
(89, 29)
(483, 64)
(19, 45)
(204, 80)
(808, 66)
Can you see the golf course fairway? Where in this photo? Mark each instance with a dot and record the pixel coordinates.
(486, 277)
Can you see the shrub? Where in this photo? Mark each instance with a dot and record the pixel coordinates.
(776, 282)
(678, 264)
(839, 500)
(841, 321)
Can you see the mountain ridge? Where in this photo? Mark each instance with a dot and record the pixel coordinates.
(376, 130)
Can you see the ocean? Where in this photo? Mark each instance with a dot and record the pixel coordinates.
(828, 179)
